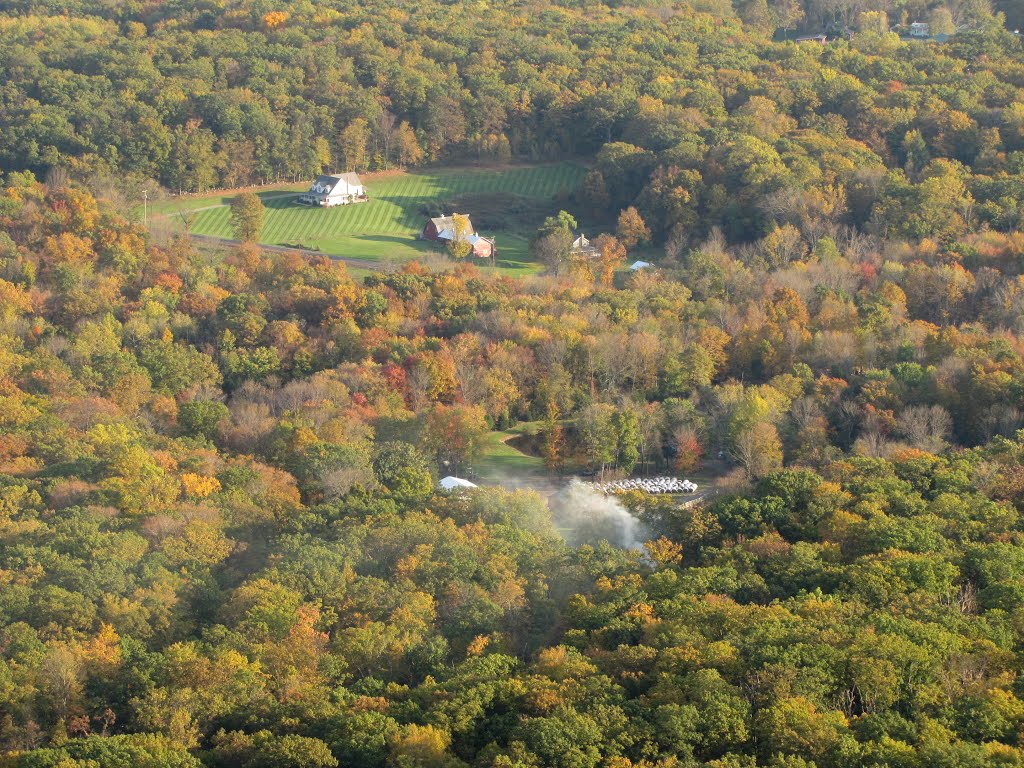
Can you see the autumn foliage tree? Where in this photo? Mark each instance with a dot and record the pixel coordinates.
(247, 217)
(353, 143)
(275, 19)
(612, 255)
(453, 433)
(631, 228)
(553, 438)
(460, 247)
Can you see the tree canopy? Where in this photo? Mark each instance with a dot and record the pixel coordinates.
(221, 537)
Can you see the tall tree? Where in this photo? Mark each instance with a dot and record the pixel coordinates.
(352, 142)
(758, 449)
(631, 228)
(554, 441)
(599, 434)
(192, 164)
(247, 217)
(627, 437)
(612, 255)
(454, 434)
(460, 247)
(552, 243)
(388, 129)
(409, 150)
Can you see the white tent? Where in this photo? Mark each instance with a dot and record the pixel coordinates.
(639, 265)
(450, 483)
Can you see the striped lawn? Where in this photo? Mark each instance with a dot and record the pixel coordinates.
(385, 228)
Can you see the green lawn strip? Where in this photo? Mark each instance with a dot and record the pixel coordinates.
(514, 255)
(371, 247)
(170, 206)
(500, 462)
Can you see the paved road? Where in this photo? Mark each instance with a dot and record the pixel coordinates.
(349, 260)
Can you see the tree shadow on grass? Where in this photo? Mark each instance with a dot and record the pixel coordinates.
(280, 203)
(271, 198)
(398, 239)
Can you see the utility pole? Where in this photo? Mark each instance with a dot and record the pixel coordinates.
(145, 209)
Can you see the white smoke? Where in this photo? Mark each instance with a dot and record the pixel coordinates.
(584, 515)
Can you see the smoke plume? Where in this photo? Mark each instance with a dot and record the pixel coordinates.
(583, 515)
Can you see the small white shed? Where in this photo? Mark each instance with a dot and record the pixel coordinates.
(451, 482)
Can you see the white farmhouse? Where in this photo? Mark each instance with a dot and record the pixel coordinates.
(340, 189)
(582, 246)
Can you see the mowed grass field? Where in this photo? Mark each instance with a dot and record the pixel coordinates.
(500, 462)
(385, 229)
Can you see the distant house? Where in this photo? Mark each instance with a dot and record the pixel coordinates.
(821, 38)
(636, 266)
(442, 230)
(919, 29)
(339, 189)
(581, 246)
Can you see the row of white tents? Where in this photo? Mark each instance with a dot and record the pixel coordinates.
(648, 485)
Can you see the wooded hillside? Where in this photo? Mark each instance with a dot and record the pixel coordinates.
(221, 542)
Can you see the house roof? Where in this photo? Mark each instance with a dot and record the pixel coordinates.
(352, 179)
(639, 265)
(451, 482)
(582, 245)
(328, 182)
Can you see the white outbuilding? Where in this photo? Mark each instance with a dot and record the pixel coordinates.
(638, 265)
(451, 483)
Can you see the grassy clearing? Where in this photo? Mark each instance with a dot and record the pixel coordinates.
(507, 203)
(499, 461)
(174, 206)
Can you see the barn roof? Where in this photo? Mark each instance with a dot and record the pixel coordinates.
(448, 222)
(445, 226)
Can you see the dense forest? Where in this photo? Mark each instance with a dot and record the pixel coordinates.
(221, 542)
(690, 107)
